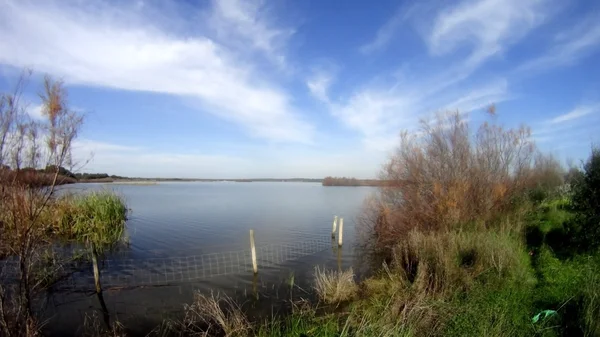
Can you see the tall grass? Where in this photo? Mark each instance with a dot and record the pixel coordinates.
(96, 218)
(450, 262)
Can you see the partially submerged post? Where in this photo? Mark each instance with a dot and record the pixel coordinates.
(253, 250)
(335, 219)
(341, 232)
(96, 271)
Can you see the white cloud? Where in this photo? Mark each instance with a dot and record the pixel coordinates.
(479, 98)
(246, 19)
(103, 46)
(375, 113)
(386, 32)
(92, 146)
(35, 111)
(570, 45)
(134, 161)
(487, 25)
(579, 124)
(576, 113)
(381, 113)
(319, 84)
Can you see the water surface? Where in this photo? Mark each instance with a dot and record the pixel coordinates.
(176, 221)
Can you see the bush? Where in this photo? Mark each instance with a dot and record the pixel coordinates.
(585, 227)
(447, 177)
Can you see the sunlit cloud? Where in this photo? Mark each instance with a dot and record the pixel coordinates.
(105, 49)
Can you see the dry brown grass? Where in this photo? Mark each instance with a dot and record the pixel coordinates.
(335, 286)
(94, 327)
(214, 315)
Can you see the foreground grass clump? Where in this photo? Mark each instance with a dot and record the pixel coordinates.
(214, 315)
(335, 286)
(96, 217)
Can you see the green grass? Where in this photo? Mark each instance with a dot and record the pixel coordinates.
(96, 219)
(468, 283)
(303, 323)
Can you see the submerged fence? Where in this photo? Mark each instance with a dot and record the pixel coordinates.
(172, 270)
(164, 271)
(122, 272)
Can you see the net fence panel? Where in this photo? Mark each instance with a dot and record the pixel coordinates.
(164, 271)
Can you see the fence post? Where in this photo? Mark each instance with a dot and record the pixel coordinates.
(96, 272)
(253, 249)
(335, 218)
(341, 232)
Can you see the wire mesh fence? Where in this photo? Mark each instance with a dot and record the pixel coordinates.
(171, 270)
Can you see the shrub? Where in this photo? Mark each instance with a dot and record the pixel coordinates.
(448, 177)
(585, 227)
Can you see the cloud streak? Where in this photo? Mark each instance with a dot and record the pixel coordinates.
(575, 114)
(569, 45)
(244, 20)
(488, 26)
(103, 49)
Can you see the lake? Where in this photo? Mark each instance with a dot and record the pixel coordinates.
(195, 236)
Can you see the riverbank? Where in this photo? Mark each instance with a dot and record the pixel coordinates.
(458, 283)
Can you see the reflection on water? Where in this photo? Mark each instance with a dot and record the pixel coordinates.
(175, 221)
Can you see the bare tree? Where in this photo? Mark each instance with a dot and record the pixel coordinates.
(23, 199)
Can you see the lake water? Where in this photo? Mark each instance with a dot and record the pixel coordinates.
(186, 237)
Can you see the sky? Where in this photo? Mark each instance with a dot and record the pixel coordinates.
(249, 89)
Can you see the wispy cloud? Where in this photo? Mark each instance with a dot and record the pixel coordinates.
(486, 25)
(576, 113)
(246, 20)
(35, 111)
(320, 79)
(579, 124)
(386, 33)
(107, 48)
(319, 86)
(492, 93)
(570, 45)
(379, 113)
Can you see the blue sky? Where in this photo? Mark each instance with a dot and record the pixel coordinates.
(285, 88)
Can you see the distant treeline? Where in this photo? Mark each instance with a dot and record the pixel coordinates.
(343, 181)
(36, 177)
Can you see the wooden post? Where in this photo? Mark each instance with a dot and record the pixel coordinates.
(253, 249)
(341, 232)
(96, 272)
(334, 226)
